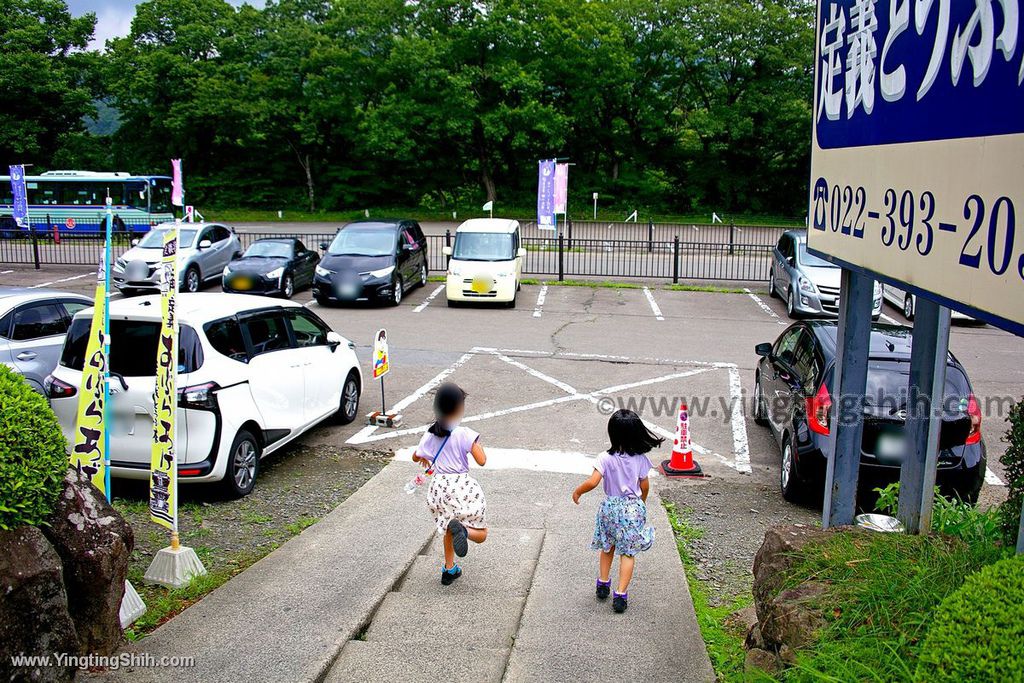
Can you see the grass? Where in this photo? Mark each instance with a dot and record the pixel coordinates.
(301, 524)
(724, 643)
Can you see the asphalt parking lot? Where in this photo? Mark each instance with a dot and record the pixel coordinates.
(542, 377)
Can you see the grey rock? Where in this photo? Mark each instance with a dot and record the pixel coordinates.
(794, 615)
(754, 639)
(742, 619)
(94, 543)
(761, 660)
(775, 557)
(34, 618)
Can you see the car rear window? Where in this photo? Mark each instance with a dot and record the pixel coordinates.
(889, 382)
(133, 346)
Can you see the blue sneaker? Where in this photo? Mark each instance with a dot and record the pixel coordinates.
(448, 576)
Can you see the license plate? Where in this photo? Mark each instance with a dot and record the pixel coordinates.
(348, 290)
(242, 284)
(890, 447)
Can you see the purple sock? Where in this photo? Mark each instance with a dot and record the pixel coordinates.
(620, 595)
(604, 583)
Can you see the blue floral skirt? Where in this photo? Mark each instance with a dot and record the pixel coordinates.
(622, 524)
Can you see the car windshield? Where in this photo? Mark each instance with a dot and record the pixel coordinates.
(154, 239)
(354, 242)
(809, 259)
(269, 250)
(483, 246)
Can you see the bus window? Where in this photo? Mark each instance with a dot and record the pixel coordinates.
(135, 195)
(42, 194)
(160, 196)
(6, 193)
(83, 194)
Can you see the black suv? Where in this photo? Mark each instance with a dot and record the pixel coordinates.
(372, 260)
(793, 389)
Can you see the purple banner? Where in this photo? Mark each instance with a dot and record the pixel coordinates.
(20, 211)
(561, 188)
(546, 194)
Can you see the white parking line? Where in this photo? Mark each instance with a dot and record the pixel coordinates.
(992, 479)
(41, 284)
(764, 307)
(539, 308)
(6, 272)
(430, 297)
(76, 277)
(889, 319)
(653, 303)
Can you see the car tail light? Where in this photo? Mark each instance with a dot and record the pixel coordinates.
(199, 397)
(974, 412)
(818, 407)
(56, 388)
(189, 473)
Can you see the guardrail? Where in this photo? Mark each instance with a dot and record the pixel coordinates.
(586, 252)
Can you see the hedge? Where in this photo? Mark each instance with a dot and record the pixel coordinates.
(978, 632)
(33, 453)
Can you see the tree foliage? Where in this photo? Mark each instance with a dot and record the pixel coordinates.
(661, 104)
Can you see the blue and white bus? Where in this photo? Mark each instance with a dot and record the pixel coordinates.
(76, 201)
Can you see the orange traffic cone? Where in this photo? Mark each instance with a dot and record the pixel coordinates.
(682, 463)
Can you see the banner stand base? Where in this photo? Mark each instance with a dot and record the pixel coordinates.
(380, 419)
(174, 567)
(132, 606)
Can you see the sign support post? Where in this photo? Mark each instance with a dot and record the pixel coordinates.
(851, 374)
(381, 367)
(924, 414)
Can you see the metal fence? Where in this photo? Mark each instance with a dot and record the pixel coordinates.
(724, 253)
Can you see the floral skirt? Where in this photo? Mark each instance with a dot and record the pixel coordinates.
(622, 525)
(456, 496)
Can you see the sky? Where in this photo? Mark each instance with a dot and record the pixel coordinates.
(114, 17)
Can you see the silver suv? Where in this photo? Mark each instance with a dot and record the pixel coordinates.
(203, 251)
(808, 284)
(32, 327)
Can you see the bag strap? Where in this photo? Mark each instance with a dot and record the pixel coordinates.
(443, 444)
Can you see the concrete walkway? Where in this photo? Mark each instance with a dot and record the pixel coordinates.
(357, 597)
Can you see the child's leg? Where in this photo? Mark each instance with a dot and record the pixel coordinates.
(476, 535)
(625, 572)
(604, 564)
(449, 551)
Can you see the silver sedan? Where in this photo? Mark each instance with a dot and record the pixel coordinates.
(33, 323)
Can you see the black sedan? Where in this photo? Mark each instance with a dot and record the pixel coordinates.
(276, 266)
(793, 390)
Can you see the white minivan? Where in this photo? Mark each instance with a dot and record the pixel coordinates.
(486, 262)
(252, 376)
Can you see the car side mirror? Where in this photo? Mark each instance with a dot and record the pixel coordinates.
(791, 260)
(205, 244)
(135, 242)
(764, 350)
(323, 246)
(334, 340)
(447, 251)
(521, 253)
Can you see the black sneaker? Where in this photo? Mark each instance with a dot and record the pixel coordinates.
(460, 539)
(448, 577)
(619, 603)
(604, 588)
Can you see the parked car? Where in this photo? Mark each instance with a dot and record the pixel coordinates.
(906, 303)
(275, 265)
(32, 327)
(372, 260)
(793, 394)
(204, 249)
(486, 262)
(809, 285)
(252, 376)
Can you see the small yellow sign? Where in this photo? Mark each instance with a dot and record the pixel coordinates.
(381, 362)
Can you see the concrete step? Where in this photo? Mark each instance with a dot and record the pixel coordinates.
(447, 619)
(502, 565)
(370, 662)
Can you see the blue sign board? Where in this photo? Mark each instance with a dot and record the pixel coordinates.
(894, 71)
(20, 209)
(546, 194)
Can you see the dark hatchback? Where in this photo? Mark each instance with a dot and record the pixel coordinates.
(277, 265)
(793, 397)
(372, 260)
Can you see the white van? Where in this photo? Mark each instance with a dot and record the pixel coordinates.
(486, 262)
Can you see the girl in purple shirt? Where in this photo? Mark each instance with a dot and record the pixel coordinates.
(455, 498)
(621, 526)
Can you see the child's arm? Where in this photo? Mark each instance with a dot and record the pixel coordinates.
(588, 485)
(645, 487)
(421, 460)
(477, 451)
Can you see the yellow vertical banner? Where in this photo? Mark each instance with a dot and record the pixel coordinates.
(163, 483)
(89, 449)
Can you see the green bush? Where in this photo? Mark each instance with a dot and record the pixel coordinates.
(977, 632)
(33, 454)
(1013, 461)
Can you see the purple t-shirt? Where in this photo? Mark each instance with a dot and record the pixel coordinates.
(454, 458)
(621, 473)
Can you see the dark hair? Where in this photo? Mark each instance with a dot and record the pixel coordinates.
(448, 399)
(629, 435)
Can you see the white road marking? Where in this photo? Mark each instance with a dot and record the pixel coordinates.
(647, 382)
(740, 444)
(992, 479)
(430, 297)
(41, 284)
(653, 303)
(76, 277)
(6, 272)
(764, 307)
(538, 374)
(539, 308)
(889, 319)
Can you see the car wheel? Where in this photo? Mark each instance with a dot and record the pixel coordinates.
(396, 296)
(190, 283)
(322, 300)
(349, 407)
(789, 482)
(423, 275)
(243, 465)
(791, 304)
(760, 415)
(771, 286)
(453, 304)
(908, 307)
(288, 287)
(127, 292)
(512, 304)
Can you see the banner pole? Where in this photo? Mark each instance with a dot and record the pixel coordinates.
(107, 254)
